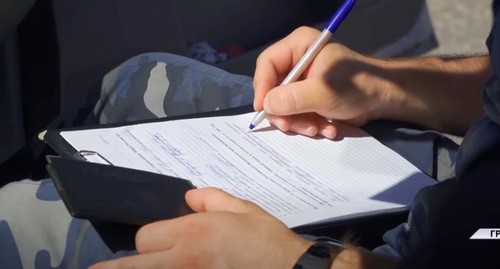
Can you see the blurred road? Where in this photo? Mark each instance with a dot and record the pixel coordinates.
(461, 26)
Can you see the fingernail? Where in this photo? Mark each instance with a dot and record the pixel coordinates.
(311, 131)
(280, 123)
(329, 132)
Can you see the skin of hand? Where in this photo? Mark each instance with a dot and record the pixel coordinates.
(306, 105)
(226, 232)
(342, 86)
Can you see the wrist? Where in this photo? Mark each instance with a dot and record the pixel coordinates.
(359, 258)
(435, 93)
(404, 89)
(409, 85)
(384, 97)
(320, 254)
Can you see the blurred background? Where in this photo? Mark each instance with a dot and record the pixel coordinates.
(54, 53)
(461, 26)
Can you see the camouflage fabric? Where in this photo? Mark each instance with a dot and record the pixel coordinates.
(158, 85)
(36, 230)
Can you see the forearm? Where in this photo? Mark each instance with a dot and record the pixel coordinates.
(441, 94)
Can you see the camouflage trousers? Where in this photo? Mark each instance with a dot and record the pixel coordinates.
(36, 231)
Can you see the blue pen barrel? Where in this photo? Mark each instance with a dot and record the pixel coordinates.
(339, 16)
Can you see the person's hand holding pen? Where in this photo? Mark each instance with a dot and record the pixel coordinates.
(341, 86)
(335, 87)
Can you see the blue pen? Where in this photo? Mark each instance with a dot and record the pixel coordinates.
(325, 36)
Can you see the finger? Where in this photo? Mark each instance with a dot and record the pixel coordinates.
(143, 261)
(304, 124)
(281, 122)
(276, 61)
(216, 200)
(312, 124)
(271, 68)
(297, 98)
(341, 128)
(327, 129)
(156, 236)
(309, 125)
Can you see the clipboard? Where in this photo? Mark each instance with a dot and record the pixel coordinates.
(106, 193)
(54, 139)
(64, 149)
(92, 188)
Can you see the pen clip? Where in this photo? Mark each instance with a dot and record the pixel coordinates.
(91, 156)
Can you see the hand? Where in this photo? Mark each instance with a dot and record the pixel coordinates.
(342, 86)
(227, 232)
(336, 86)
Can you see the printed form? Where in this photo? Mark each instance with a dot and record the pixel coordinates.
(298, 179)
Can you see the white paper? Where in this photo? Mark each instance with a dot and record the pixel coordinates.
(298, 179)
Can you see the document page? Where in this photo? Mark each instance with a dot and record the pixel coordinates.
(298, 179)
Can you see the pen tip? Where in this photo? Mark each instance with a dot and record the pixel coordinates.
(251, 127)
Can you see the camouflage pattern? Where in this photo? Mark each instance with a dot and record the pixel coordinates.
(36, 230)
(158, 85)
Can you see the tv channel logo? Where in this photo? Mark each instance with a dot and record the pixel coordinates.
(487, 233)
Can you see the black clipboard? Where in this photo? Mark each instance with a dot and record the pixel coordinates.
(120, 237)
(101, 192)
(107, 193)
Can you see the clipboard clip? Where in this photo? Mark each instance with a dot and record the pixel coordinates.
(91, 156)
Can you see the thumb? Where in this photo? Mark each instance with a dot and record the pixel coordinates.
(295, 98)
(216, 200)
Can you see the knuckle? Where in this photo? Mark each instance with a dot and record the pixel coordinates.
(262, 57)
(195, 260)
(305, 30)
(140, 238)
(259, 61)
(194, 229)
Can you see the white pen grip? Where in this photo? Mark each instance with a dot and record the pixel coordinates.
(308, 57)
(298, 69)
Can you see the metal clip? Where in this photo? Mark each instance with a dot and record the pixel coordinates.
(91, 156)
